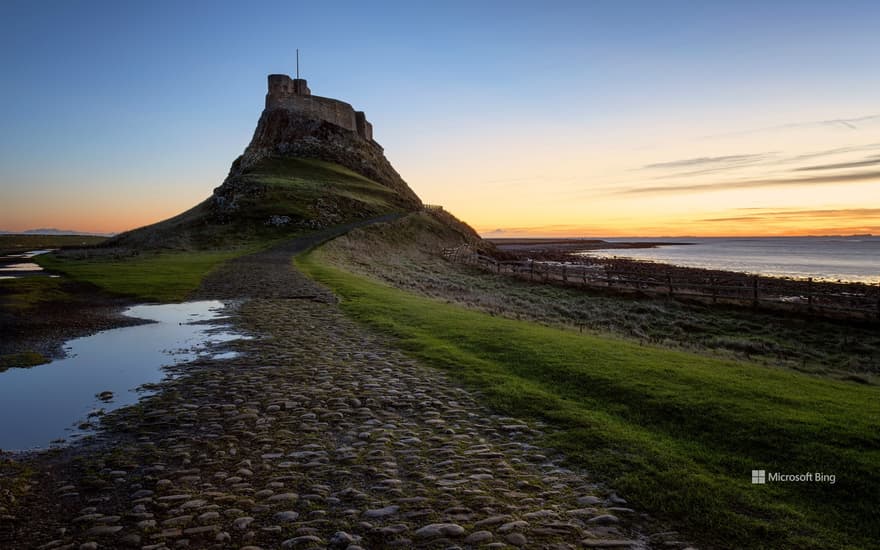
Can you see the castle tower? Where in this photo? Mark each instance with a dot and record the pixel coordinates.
(282, 85)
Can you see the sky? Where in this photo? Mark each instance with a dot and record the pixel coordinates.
(551, 118)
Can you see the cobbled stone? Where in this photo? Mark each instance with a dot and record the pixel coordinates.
(329, 437)
(440, 530)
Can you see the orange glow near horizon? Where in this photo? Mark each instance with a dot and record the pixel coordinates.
(111, 222)
(819, 178)
(96, 213)
(581, 119)
(805, 179)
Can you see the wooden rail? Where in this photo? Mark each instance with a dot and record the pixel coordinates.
(860, 300)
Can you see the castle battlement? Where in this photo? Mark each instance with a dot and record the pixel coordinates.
(294, 94)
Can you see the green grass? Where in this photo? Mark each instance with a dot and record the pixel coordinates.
(302, 171)
(21, 360)
(19, 295)
(294, 184)
(676, 433)
(151, 276)
(275, 198)
(25, 243)
(404, 255)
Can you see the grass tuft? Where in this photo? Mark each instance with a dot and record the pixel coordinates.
(21, 360)
(150, 276)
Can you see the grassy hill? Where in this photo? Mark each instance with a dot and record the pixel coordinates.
(275, 198)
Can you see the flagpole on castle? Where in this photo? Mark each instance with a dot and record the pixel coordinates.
(297, 63)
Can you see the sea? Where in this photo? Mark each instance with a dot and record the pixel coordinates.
(848, 259)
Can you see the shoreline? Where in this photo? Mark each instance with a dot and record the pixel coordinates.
(560, 264)
(568, 251)
(573, 245)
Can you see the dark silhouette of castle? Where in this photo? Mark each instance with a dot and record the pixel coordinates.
(293, 94)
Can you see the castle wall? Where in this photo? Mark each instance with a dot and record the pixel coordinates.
(294, 95)
(364, 128)
(323, 108)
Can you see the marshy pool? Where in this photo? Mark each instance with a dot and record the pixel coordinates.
(46, 403)
(15, 266)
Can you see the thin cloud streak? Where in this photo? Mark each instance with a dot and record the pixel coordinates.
(702, 161)
(837, 151)
(871, 161)
(750, 184)
(849, 123)
(842, 213)
(715, 170)
(718, 164)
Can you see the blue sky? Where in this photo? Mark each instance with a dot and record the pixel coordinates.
(140, 107)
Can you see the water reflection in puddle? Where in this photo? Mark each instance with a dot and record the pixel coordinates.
(29, 266)
(44, 403)
(12, 266)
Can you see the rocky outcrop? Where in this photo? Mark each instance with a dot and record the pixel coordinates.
(276, 188)
(286, 133)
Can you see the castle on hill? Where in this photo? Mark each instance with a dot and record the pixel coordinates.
(293, 94)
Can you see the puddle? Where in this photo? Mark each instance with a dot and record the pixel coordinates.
(13, 266)
(43, 404)
(30, 266)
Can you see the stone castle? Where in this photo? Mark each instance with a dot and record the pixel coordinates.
(293, 94)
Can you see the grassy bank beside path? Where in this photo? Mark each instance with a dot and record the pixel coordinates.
(150, 276)
(676, 433)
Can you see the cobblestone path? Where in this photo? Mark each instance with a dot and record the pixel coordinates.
(320, 435)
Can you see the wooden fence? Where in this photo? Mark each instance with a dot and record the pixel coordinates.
(851, 300)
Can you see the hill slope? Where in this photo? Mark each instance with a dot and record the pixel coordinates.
(297, 174)
(271, 198)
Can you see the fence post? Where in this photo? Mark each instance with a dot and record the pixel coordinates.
(669, 281)
(755, 291)
(810, 294)
(584, 273)
(714, 290)
(564, 273)
(532, 271)
(607, 276)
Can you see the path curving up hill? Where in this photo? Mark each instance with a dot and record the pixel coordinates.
(270, 273)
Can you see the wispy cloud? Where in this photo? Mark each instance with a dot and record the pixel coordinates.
(708, 161)
(835, 151)
(870, 161)
(719, 164)
(754, 183)
(848, 123)
(839, 213)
